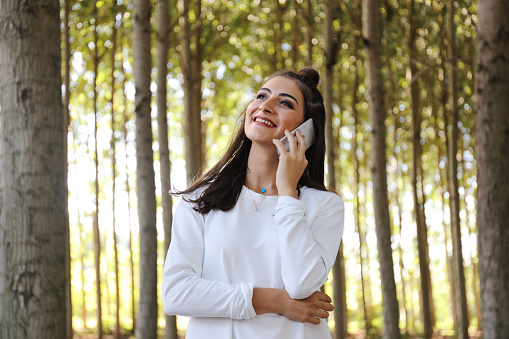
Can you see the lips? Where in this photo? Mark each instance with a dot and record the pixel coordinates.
(264, 121)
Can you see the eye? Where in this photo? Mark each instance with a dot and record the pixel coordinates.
(261, 96)
(286, 103)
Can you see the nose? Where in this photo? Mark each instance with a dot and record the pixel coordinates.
(267, 106)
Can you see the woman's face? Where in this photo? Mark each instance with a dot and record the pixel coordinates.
(278, 105)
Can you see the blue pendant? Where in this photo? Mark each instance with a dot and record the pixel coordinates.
(263, 190)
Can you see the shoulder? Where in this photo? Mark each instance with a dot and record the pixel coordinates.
(313, 195)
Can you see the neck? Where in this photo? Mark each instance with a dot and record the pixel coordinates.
(262, 166)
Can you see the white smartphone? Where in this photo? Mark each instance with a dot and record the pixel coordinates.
(307, 130)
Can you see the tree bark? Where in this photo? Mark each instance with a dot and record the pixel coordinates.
(356, 165)
(126, 183)
(32, 173)
(114, 178)
(67, 98)
(97, 236)
(492, 138)
(145, 181)
(309, 30)
(416, 179)
(163, 24)
(461, 321)
(191, 69)
(372, 38)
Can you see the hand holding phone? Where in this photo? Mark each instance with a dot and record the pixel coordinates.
(307, 130)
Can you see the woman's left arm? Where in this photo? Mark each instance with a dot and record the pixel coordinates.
(308, 251)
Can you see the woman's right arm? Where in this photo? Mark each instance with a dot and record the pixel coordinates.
(185, 292)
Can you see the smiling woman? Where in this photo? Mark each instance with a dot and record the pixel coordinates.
(255, 237)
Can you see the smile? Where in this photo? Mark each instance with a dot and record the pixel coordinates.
(266, 122)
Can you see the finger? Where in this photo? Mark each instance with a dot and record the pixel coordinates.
(320, 314)
(301, 141)
(280, 146)
(313, 320)
(322, 296)
(326, 306)
(292, 142)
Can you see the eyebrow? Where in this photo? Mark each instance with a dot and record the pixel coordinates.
(281, 94)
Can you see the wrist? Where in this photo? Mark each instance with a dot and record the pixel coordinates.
(291, 192)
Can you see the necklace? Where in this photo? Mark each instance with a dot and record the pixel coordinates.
(254, 202)
(261, 189)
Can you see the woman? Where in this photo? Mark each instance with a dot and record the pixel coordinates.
(255, 237)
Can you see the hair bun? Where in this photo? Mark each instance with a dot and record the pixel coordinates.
(310, 74)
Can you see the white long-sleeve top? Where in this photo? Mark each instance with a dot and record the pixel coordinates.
(215, 260)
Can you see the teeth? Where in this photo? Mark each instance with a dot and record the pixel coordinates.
(266, 122)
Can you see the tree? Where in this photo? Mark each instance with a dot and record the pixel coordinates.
(97, 235)
(145, 182)
(422, 238)
(191, 65)
(460, 296)
(372, 39)
(33, 200)
(114, 176)
(492, 138)
(163, 25)
(66, 101)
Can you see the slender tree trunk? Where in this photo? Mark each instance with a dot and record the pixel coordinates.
(338, 268)
(191, 69)
(67, 98)
(372, 39)
(163, 24)
(32, 173)
(114, 178)
(401, 264)
(492, 138)
(145, 181)
(97, 237)
(448, 257)
(296, 27)
(330, 61)
(340, 315)
(356, 163)
(461, 321)
(416, 179)
(309, 30)
(82, 272)
(127, 185)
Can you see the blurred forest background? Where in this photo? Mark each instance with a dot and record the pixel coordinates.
(152, 91)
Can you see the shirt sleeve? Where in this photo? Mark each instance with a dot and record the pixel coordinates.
(185, 292)
(308, 251)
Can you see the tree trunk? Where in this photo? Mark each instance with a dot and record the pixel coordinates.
(114, 178)
(145, 182)
(309, 30)
(163, 22)
(97, 236)
(416, 179)
(443, 99)
(330, 61)
(372, 38)
(191, 69)
(356, 165)
(67, 98)
(492, 138)
(127, 186)
(32, 173)
(461, 321)
(82, 270)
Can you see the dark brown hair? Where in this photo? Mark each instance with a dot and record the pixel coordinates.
(223, 182)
